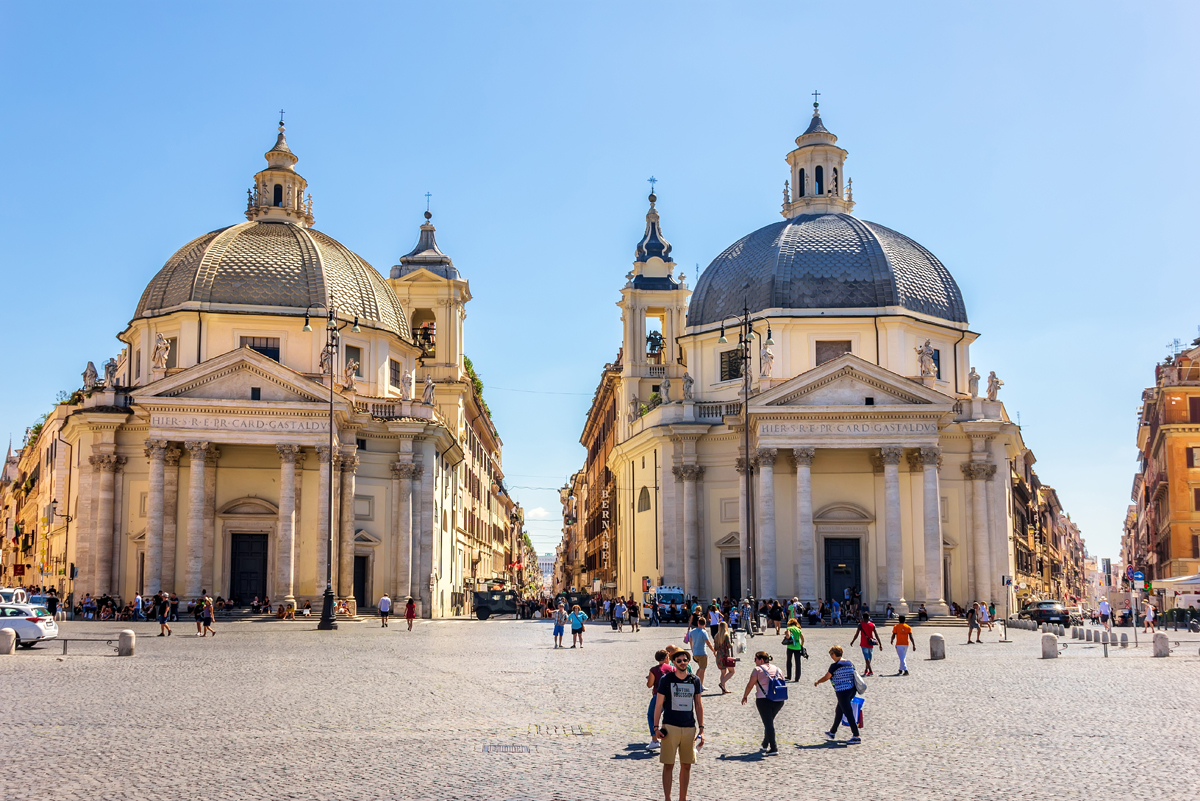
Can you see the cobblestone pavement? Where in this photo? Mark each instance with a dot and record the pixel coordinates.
(277, 710)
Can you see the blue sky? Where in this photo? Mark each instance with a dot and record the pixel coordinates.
(1045, 152)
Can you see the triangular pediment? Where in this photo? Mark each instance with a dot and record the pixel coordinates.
(730, 540)
(849, 381)
(231, 376)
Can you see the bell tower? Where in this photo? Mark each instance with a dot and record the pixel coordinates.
(278, 192)
(818, 183)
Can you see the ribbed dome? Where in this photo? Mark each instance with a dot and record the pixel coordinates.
(825, 261)
(273, 264)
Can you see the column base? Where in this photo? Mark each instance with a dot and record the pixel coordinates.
(937, 608)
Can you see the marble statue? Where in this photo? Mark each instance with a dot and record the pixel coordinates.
(664, 389)
(766, 359)
(925, 360)
(110, 373)
(162, 349)
(427, 396)
(787, 194)
(325, 361)
(689, 384)
(635, 408)
(89, 377)
(350, 373)
(406, 386)
(994, 385)
(973, 383)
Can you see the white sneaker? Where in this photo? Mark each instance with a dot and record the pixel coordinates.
(653, 744)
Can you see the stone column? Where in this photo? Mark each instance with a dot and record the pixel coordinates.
(977, 473)
(156, 451)
(402, 475)
(345, 584)
(323, 507)
(429, 524)
(170, 517)
(301, 456)
(207, 580)
(891, 456)
(805, 548)
(688, 474)
(766, 521)
(744, 525)
(285, 549)
(197, 451)
(103, 541)
(931, 504)
(85, 550)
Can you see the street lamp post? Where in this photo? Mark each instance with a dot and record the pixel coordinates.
(745, 328)
(333, 336)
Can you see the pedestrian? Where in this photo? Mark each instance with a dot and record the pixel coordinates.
(973, 623)
(1149, 619)
(680, 708)
(1105, 613)
(699, 638)
(206, 616)
(162, 610)
(654, 620)
(714, 619)
(765, 680)
(385, 609)
(662, 668)
(891, 610)
(795, 647)
(619, 610)
(746, 615)
(723, 651)
(410, 612)
(865, 635)
(576, 619)
(984, 617)
(174, 608)
(901, 638)
(560, 622)
(775, 615)
(197, 611)
(841, 673)
(635, 614)
(137, 607)
(836, 614)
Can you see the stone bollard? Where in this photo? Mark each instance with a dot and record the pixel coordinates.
(1124, 640)
(126, 643)
(937, 646)
(1161, 646)
(1062, 630)
(1074, 632)
(1049, 646)
(1104, 637)
(8, 641)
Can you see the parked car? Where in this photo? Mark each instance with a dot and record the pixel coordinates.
(1046, 612)
(13, 595)
(494, 602)
(33, 624)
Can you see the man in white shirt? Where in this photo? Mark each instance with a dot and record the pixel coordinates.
(1105, 613)
(137, 607)
(385, 609)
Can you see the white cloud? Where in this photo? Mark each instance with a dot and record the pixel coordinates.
(537, 514)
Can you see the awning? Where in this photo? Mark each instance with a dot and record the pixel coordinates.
(1180, 581)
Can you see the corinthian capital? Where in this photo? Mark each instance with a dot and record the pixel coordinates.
(891, 454)
(287, 453)
(156, 449)
(766, 455)
(804, 456)
(172, 457)
(929, 455)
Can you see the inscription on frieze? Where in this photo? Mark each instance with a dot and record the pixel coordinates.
(834, 429)
(219, 422)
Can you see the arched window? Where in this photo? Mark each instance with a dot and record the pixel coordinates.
(278, 199)
(644, 500)
(800, 184)
(837, 190)
(819, 179)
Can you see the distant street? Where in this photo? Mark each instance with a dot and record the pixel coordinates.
(270, 711)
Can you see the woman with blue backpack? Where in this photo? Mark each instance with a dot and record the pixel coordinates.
(770, 692)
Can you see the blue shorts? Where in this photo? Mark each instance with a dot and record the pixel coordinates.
(868, 653)
(558, 630)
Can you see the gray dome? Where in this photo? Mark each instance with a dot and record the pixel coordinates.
(825, 261)
(273, 264)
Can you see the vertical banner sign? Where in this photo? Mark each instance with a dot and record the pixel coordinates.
(604, 525)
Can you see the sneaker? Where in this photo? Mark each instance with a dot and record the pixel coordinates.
(772, 752)
(830, 735)
(854, 740)
(653, 744)
(906, 673)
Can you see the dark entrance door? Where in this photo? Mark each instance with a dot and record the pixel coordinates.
(733, 576)
(360, 581)
(248, 567)
(842, 567)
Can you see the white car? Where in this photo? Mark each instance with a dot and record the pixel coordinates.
(13, 595)
(33, 624)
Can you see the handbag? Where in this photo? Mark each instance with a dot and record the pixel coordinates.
(788, 639)
(860, 684)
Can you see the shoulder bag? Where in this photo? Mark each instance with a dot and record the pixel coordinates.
(860, 684)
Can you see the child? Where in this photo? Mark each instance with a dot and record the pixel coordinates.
(901, 635)
(656, 673)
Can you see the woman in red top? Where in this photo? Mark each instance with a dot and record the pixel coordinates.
(865, 634)
(410, 612)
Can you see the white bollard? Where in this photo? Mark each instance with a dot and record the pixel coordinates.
(1062, 630)
(1124, 640)
(1161, 646)
(126, 643)
(1049, 646)
(8, 641)
(937, 646)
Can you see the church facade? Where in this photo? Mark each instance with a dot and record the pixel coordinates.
(807, 420)
(229, 449)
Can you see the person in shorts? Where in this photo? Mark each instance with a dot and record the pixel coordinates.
(678, 723)
(973, 623)
(576, 618)
(206, 616)
(1105, 614)
(560, 621)
(865, 635)
(162, 609)
(385, 609)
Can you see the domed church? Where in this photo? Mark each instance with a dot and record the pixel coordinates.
(204, 455)
(807, 422)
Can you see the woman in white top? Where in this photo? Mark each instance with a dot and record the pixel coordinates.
(763, 672)
(1149, 622)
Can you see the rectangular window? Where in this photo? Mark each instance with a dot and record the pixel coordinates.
(828, 351)
(731, 364)
(267, 346)
(394, 372)
(137, 363)
(255, 393)
(937, 363)
(354, 354)
(1191, 457)
(1196, 546)
(1194, 409)
(173, 353)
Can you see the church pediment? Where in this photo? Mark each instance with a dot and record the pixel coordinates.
(232, 376)
(849, 381)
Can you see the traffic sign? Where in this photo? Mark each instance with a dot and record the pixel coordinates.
(1139, 576)
(1129, 572)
